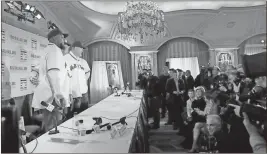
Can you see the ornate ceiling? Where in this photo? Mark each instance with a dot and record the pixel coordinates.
(115, 6)
(224, 27)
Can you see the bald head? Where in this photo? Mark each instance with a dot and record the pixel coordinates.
(214, 124)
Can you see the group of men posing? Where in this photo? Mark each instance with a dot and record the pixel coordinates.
(61, 80)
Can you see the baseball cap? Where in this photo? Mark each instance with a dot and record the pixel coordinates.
(56, 32)
(78, 44)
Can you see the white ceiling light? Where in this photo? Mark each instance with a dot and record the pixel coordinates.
(27, 7)
(32, 9)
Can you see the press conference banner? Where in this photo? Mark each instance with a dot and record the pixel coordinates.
(21, 52)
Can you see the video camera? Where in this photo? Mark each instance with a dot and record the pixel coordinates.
(142, 80)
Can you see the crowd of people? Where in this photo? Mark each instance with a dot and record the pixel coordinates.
(206, 110)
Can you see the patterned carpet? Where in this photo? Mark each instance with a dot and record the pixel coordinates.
(165, 139)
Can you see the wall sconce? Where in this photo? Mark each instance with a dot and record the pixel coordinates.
(264, 43)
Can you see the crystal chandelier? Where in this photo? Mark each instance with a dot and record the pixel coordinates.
(141, 20)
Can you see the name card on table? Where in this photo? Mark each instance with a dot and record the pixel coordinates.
(113, 132)
(96, 128)
(122, 130)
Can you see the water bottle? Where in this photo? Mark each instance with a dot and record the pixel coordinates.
(74, 122)
(82, 128)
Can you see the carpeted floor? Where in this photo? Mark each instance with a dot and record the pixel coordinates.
(165, 139)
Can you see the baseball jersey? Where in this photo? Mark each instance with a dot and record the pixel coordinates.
(79, 68)
(53, 60)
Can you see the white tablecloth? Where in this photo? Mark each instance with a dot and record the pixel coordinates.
(113, 108)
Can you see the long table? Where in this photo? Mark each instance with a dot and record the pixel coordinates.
(110, 109)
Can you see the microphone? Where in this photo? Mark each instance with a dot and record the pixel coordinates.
(52, 108)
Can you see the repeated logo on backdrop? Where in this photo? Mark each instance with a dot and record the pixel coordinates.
(2, 68)
(23, 55)
(20, 51)
(18, 68)
(23, 84)
(19, 40)
(43, 46)
(8, 53)
(34, 44)
(3, 33)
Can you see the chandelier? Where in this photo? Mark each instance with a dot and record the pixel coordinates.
(141, 20)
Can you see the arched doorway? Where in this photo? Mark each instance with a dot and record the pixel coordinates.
(252, 45)
(183, 47)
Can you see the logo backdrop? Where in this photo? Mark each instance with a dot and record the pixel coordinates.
(21, 52)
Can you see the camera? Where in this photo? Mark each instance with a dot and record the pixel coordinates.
(142, 80)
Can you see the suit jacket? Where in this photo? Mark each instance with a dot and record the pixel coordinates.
(162, 81)
(171, 87)
(153, 86)
(189, 82)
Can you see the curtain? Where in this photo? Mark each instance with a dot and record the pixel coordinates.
(110, 51)
(190, 63)
(254, 50)
(181, 48)
(99, 86)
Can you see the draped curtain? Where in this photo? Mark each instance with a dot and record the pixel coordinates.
(182, 48)
(99, 86)
(110, 51)
(254, 50)
(190, 63)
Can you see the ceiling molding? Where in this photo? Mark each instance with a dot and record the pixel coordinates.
(49, 11)
(168, 7)
(107, 39)
(83, 8)
(190, 36)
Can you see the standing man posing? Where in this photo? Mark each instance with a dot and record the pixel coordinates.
(54, 80)
(80, 71)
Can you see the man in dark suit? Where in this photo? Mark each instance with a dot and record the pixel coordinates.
(200, 77)
(189, 83)
(175, 88)
(189, 80)
(162, 81)
(154, 93)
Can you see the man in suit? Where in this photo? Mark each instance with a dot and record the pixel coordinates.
(154, 93)
(200, 77)
(189, 80)
(175, 89)
(163, 80)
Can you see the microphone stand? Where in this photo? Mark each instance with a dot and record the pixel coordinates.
(23, 146)
(56, 131)
(55, 110)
